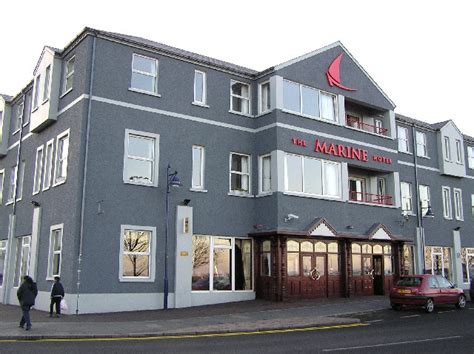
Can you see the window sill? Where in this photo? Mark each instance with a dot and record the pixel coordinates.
(140, 184)
(313, 196)
(200, 104)
(16, 132)
(241, 114)
(37, 192)
(263, 194)
(26, 124)
(45, 188)
(372, 204)
(136, 280)
(405, 152)
(34, 109)
(319, 119)
(263, 113)
(241, 195)
(459, 219)
(65, 93)
(58, 183)
(10, 202)
(423, 157)
(144, 92)
(198, 190)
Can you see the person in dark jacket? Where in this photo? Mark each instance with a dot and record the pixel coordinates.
(26, 294)
(57, 293)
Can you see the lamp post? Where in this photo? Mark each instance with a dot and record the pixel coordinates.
(172, 180)
(429, 214)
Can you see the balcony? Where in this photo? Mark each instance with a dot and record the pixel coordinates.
(356, 123)
(379, 199)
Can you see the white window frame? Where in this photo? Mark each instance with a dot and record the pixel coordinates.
(21, 179)
(36, 93)
(470, 156)
(155, 76)
(401, 139)
(52, 252)
(67, 75)
(4, 248)
(472, 204)
(459, 151)
(469, 253)
(151, 254)
(47, 172)
(447, 149)
(194, 185)
(447, 206)
(421, 146)
(428, 200)
(409, 197)
(38, 177)
(20, 111)
(249, 174)
(46, 84)
(261, 175)
(156, 158)
(458, 207)
(21, 243)
(268, 108)
(2, 183)
(12, 186)
(204, 88)
(58, 180)
(248, 99)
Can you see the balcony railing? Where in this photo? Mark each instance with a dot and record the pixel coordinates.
(380, 199)
(356, 123)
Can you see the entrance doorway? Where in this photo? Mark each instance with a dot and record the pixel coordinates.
(378, 275)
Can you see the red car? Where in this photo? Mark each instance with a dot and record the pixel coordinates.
(427, 291)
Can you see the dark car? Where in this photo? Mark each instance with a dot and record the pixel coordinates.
(427, 291)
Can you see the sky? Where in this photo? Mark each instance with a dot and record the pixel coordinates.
(421, 53)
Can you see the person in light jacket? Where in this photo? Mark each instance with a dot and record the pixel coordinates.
(57, 294)
(26, 294)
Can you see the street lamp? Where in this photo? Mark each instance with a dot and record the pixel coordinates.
(429, 214)
(172, 180)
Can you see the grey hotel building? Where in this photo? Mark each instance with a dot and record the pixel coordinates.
(150, 177)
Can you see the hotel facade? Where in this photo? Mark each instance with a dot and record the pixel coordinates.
(299, 181)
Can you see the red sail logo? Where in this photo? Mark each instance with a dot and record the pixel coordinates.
(333, 75)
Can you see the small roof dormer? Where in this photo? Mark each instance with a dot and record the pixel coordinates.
(450, 149)
(5, 117)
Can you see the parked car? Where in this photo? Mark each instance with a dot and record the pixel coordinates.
(427, 291)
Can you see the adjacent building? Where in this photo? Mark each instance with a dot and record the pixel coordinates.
(299, 181)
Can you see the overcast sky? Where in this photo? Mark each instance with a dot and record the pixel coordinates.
(421, 53)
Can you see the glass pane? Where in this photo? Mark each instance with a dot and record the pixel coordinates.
(356, 262)
(265, 97)
(222, 242)
(240, 89)
(367, 265)
(366, 248)
(199, 87)
(69, 81)
(56, 263)
(139, 146)
(135, 266)
(70, 65)
(197, 166)
(266, 246)
(144, 82)
(144, 64)
(333, 247)
(139, 171)
(222, 269)
(291, 96)
(201, 253)
(447, 263)
(356, 248)
(408, 263)
(292, 246)
(243, 264)
(331, 179)
(333, 264)
(321, 265)
(265, 264)
(378, 249)
(387, 265)
(306, 246)
(307, 267)
(310, 101)
(136, 241)
(294, 173)
(266, 174)
(327, 106)
(312, 176)
(293, 264)
(57, 240)
(2, 262)
(240, 163)
(320, 247)
(387, 249)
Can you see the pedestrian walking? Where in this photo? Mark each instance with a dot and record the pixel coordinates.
(57, 294)
(26, 294)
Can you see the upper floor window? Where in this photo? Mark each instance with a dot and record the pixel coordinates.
(264, 97)
(200, 87)
(141, 158)
(1, 126)
(403, 145)
(14, 188)
(11, 189)
(458, 210)
(18, 117)
(2, 181)
(48, 164)
(144, 74)
(458, 151)
(447, 211)
(36, 92)
(62, 151)
(38, 170)
(239, 173)
(47, 80)
(308, 101)
(472, 204)
(68, 75)
(198, 167)
(265, 174)
(405, 190)
(421, 148)
(470, 156)
(311, 176)
(447, 149)
(424, 198)
(239, 97)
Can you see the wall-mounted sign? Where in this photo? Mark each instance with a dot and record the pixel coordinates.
(184, 254)
(344, 151)
(185, 225)
(333, 74)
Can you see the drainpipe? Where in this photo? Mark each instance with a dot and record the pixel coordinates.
(84, 176)
(419, 215)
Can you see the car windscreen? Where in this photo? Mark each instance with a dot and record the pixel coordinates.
(408, 281)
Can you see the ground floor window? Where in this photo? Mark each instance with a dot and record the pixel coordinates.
(265, 259)
(222, 263)
(362, 258)
(3, 253)
(408, 263)
(22, 267)
(438, 261)
(467, 258)
(55, 246)
(312, 257)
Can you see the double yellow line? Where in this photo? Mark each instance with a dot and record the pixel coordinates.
(185, 336)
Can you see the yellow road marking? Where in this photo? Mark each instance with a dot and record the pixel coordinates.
(186, 336)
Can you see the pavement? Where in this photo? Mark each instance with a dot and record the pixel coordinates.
(247, 316)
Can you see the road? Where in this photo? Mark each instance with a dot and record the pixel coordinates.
(447, 330)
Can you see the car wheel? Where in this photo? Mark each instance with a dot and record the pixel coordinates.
(396, 307)
(461, 302)
(429, 306)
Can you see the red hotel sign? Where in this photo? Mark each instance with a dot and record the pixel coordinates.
(339, 150)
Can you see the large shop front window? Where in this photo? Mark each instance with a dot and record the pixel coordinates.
(467, 259)
(311, 176)
(222, 264)
(438, 261)
(362, 258)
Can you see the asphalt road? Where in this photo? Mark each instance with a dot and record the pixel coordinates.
(447, 330)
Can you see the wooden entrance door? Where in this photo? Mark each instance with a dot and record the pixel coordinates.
(312, 280)
(378, 275)
(367, 276)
